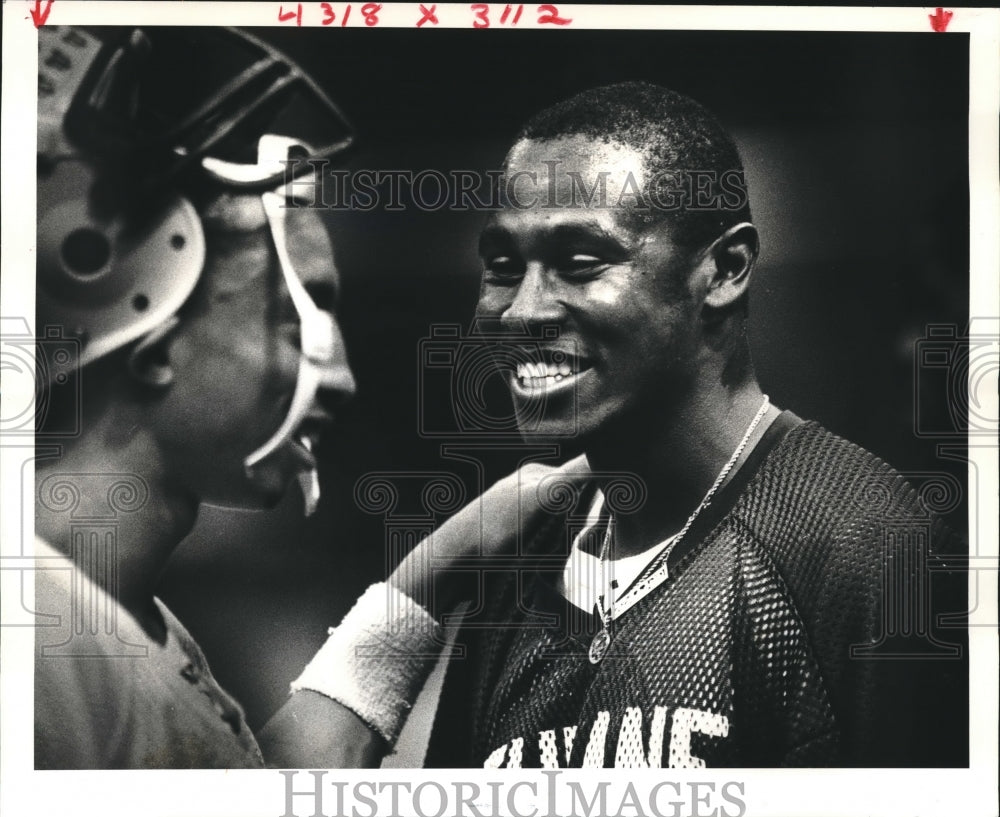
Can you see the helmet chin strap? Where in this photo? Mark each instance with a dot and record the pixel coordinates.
(318, 346)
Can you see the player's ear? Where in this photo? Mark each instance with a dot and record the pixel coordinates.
(733, 255)
(149, 362)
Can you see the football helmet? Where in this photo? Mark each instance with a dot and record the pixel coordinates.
(135, 128)
(133, 124)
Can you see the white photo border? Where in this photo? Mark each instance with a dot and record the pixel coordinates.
(970, 791)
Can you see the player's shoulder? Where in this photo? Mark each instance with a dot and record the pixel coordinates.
(820, 474)
(823, 509)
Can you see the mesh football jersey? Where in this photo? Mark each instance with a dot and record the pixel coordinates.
(800, 625)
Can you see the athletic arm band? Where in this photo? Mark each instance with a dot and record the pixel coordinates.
(376, 662)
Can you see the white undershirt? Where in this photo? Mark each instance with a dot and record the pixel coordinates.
(586, 577)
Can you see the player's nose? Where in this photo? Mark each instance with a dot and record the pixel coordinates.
(337, 384)
(533, 301)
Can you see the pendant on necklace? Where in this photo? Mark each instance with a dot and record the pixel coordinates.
(599, 646)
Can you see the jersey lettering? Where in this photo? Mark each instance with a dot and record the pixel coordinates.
(497, 756)
(687, 721)
(631, 752)
(593, 758)
(569, 735)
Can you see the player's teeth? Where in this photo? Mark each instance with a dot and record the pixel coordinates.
(540, 370)
(540, 374)
(543, 382)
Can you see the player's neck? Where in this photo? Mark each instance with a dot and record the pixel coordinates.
(677, 456)
(109, 507)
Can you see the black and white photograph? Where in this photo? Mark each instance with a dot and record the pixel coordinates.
(441, 409)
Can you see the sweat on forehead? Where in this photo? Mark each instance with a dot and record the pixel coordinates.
(674, 133)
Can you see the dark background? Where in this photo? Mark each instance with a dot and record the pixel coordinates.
(856, 151)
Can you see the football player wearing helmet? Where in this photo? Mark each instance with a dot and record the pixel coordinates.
(199, 303)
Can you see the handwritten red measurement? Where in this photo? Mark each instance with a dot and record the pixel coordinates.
(428, 15)
(331, 14)
(482, 15)
(511, 15)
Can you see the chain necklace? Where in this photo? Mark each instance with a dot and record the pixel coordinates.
(602, 641)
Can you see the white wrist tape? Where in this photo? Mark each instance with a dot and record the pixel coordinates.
(376, 662)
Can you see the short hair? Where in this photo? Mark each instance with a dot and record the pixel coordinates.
(675, 133)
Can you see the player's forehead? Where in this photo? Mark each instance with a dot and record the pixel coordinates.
(569, 189)
(577, 160)
(537, 231)
(243, 256)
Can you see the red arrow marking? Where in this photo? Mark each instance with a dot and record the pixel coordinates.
(38, 16)
(940, 19)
